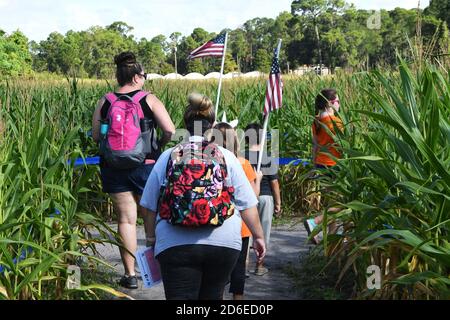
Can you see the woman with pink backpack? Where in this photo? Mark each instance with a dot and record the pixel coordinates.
(124, 124)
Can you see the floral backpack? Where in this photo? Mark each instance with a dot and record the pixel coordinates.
(196, 191)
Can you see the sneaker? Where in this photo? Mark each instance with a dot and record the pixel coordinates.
(310, 225)
(260, 271)
(129, 282)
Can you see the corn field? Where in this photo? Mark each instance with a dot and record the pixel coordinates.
(393, 184)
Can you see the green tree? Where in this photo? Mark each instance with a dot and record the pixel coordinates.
(281, 30)
(439, 9)
(195, 65)
(104, 44)
(200, 35)
(262, 60)
(230, 64)
(239, 48)
(15, 57)
(397, 26)
(314, 32)
(187, 45)
(313, 10)
(49, 51)
(152, 53)
(175, 38)
(258, 36)
(121, 28)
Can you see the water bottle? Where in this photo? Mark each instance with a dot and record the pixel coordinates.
(145, 124)
(104, 126)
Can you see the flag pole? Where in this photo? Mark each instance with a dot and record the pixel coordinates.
(266, 122)
(221, 74)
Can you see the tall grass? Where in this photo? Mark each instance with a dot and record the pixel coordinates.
(392, 187)
(43, 227)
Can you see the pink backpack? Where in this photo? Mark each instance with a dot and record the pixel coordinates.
(124, 145)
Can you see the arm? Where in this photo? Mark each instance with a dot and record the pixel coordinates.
(251, 219)
(274, 184)
(245, 202)
(150, 226)
(96, 120)
(150, 196)
(256, 184)
(162, 118)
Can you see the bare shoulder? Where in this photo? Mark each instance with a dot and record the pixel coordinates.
(153, 100)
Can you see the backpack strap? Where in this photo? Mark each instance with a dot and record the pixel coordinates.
(111, 97)
(139, 96)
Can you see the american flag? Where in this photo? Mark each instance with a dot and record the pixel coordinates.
(274, 91)
(213, 47)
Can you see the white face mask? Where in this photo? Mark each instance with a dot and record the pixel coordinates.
(335, 104)
(336, 107)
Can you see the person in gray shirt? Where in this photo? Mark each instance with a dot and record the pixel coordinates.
(196, 262)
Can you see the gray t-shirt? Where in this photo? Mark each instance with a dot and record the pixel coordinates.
(228, 235)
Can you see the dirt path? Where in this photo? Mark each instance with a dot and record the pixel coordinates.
(287, 242)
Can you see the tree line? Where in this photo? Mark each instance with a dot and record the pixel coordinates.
(329, 32)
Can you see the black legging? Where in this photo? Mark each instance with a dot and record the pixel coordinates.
(196, 272)
(237, 281)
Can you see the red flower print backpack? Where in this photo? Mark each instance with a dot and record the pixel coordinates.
(196, 191)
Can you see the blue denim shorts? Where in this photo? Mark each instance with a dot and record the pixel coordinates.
(124, 180)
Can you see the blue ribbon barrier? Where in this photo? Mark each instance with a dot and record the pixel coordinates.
(22, 256)
(87, 161)
(292, 161)
(281, 161)
(28, 250)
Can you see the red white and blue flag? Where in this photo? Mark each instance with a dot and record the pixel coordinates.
(214, 47)
(274, 91)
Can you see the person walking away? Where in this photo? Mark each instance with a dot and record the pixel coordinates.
(325, 148)
(269, 197)
(238, 275)
(124, 124)
(197, 217)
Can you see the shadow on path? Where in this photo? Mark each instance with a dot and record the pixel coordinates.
(287, 243)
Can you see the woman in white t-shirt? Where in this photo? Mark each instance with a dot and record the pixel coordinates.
(196, 262)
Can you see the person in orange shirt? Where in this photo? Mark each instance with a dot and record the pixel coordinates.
(325, 149)
(238, 275)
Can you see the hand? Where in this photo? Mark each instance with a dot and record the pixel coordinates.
(277, 210)
(260, 249)
(259, 176)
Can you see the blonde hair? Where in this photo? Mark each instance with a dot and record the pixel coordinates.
(200, 108)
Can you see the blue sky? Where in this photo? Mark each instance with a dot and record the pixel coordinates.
(149, 18)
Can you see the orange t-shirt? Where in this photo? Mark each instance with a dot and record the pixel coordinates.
(325, 142)
(251, 176)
